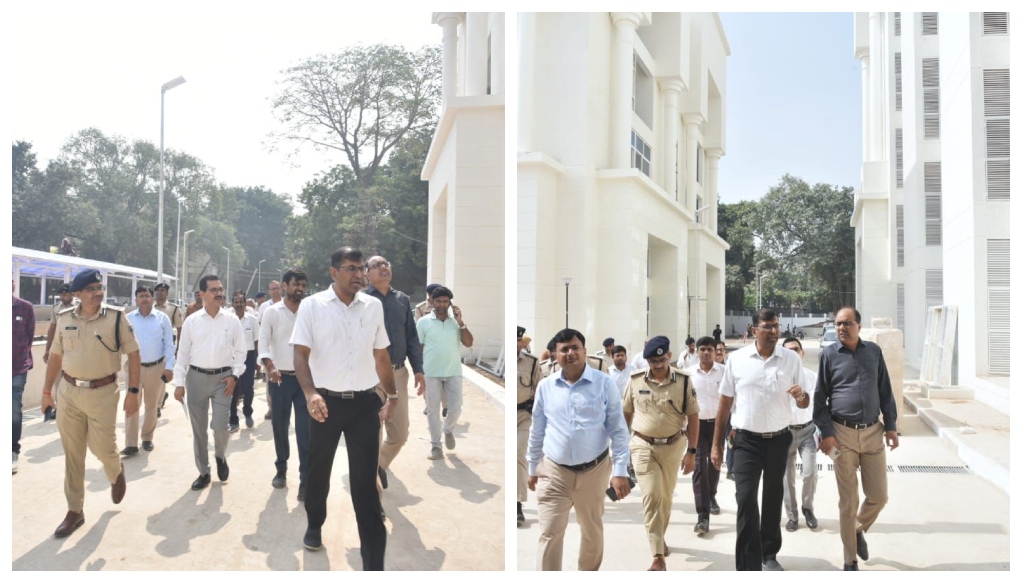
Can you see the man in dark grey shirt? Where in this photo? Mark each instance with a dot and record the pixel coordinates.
(852, 390)
(404, 343)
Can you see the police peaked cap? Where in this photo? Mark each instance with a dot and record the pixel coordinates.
(87, 277)
(657, 346)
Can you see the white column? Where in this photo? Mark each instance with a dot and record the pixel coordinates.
(475, 53)
(526, 78)
(449, 22)
(42, 286)
(876, 86)
(864, 57)
(672, 89)
(692, 123)
(497, 53)
(625, 24)
(712, 159)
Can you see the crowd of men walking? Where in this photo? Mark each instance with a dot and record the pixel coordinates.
(338, 360)
(586, 422)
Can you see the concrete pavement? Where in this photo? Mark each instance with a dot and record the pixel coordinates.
(443, 515)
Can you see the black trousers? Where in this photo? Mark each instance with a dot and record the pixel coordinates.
(358, 420)
(244, 389)
(705, 477)
(759, 536)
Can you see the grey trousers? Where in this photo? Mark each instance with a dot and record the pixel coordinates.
(803, 442)
(199, 390)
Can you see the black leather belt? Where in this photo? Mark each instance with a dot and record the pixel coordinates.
(153, 363)
(526, 405)
(211, 371)
(769, 435)
(399, 366)
(798, 427)
(587, 465)
(345, 394)
(659, 440)
(286, 373)
(859, 426)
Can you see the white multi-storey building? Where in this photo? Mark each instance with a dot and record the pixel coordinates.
(931, 216)
(620, 129)
(465, 170)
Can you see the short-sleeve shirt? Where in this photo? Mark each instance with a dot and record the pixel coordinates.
(660, 410)
(341, 339)
(529, 375)
(760, 387)
(441, 346)
(88, 346)
(250, 327)
(175, 313)
(707, 388)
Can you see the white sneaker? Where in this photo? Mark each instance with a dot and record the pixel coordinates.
(14, 463)
(449, 440)
(435, 454)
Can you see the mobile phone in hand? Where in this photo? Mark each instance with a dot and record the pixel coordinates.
(612, 494)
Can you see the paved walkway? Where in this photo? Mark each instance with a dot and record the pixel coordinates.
(443, 515)
(947, 509)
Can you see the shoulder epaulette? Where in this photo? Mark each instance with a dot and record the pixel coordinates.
(66, 310)
(529, 356)
(639, 373)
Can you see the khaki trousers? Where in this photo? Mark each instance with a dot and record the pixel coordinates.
(397, 426)
(87, 417)
(524, 424)
(152, 389)
(557, 491)
(656, 470)
(864, 451)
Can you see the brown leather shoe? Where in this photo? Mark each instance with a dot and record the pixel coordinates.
(71, 523)
(118, 488)
(659, 564)
(667, 550)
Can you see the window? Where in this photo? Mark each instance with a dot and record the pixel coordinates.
(931, 195)
(642, 91)
(931, 99)
(897, 81)
(995, 23)
(699, 205)
(998, 306)
(699, 164)
(930, 23)
(899, 224)
(934, 288)
(897, 24)
(899, 158)
(996, 110)
(901, 307)
(641, 154)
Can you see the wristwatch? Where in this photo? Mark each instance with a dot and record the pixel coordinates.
(235, 377)
(692, 450)
(133, 390)
(391, 397)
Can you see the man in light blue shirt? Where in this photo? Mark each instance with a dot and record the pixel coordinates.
(578, 440)
(441, 337)
(155, 335)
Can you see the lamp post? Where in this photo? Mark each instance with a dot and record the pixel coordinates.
(758, 294)
(177, 251)
(759, 285)
(159, 236)
(228, 268)
(567, 282)
(184, 265)
(699, 266)
(260, 270)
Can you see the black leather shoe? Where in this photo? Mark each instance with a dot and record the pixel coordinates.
(279, 481)
(383, 476)
(443, 413)
(853, 567)
(811, 521)
(232, 427)
(71, 522)
(301, 492)
(201, 482)
(702, 526)
(521, 515)
(222, 471)
(770, 564)
(714, 508)
(312, 541)
(792, 526)
(129, 451)
(148, 445)
(860, 546)
(249, 422)
(268, 416)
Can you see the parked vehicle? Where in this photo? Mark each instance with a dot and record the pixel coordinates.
(829, 337)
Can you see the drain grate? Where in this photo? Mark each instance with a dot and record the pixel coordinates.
(933, 469)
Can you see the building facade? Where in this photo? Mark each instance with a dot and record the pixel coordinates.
(620, 129)
(465, 170)
(931, 216)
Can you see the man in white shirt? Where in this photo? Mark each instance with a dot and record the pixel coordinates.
(760, 380)
(245, 390)
(275, 297)
(706, 377)
(803, 441)
(621, 371)
(210, 358)
(639, 362)
(689, 358)
(340, 350)
(278, 357)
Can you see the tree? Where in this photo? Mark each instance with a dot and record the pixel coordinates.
(261, 227)
(735, 225)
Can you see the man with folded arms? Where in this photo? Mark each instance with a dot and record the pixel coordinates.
(210, 358)
(578, 428)
(154, 333)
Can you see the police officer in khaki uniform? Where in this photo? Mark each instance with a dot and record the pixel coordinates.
(657, 404)
(83, 365)
(529, 375)
(174, 312)
(607, 354)
(549, 366)
(424, 307)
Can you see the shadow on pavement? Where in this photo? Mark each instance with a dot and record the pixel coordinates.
(49, 556)
(460, 477)
(186, 519)
(279, 533)
(405, 549)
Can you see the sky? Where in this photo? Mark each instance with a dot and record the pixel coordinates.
(794, 99)
(76, 68)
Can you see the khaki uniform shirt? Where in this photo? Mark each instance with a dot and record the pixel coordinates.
(175, 313)
(81, 342)
(192, 308)
(598, 363)
(422, 309)
(529, 375)
(657, 408)
(549, 367)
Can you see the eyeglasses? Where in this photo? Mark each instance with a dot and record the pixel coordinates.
(214, 290)
(769, 327)
(94, 289)
(844, 324)
(352, 270)
(385, 264)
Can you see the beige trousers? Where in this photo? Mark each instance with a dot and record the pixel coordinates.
(557, 491)
(396, 427)
(152, 389)
(524, 424)
(863, 451)
(87, 417)
(656, 470)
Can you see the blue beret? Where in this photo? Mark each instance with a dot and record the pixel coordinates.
(607, 341)
(431, 288)
(261, 295)
(87, 277)
(64, 288)
(657, 346)
(521, 332)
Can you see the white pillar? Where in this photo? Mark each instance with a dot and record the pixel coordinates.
(692, 123)
(475, 53)
(672, 89)
(449, 22)
(864, 57)
(526, 78)
(625, 24)
(497, 53)
(712, 159)
(42, 286)
(876, 86)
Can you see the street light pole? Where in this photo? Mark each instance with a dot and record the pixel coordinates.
(159, 235)
(184, 263)
(567, 282)
(228, 268)
(177, 251)
(699, 267)
(758, 294)
(260, 270)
